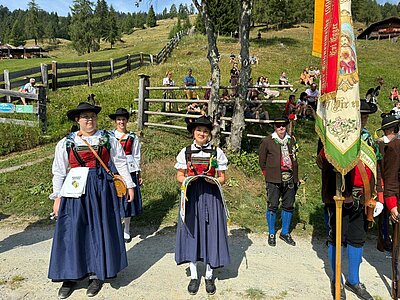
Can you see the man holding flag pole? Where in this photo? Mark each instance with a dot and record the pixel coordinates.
(348, 156)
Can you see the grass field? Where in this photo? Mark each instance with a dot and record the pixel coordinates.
(288, 50)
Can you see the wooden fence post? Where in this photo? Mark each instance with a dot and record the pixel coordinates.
(7, 84)
(144, 82)
(54, 75)
(89, 73)
(111, 68)
(42, 111)
(128, 62)
(141, 59)
(44, 73)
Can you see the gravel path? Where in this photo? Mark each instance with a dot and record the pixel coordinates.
(257, 271)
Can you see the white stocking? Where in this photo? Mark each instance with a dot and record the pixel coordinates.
(193, 270)
(209, 272)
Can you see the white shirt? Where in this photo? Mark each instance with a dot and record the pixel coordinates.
(166, 81)
(135, 148)
(312, 95)
(29, 88)
(221, 158)
(61, 165)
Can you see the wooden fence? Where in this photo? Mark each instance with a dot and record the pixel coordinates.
(40, 109)
(59, 75)
(144, 111)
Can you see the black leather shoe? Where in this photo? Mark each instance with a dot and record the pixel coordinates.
(288, 239)
(66, 289)
(360, 290)
(193, 286)
(342, 291)
(210, 287)
(272, 240)
(94, 287)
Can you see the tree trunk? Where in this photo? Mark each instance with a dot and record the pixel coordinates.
(213, 57)
(238, 125)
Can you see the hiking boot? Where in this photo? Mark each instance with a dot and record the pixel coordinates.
(193, 286)
(66, 289)
(94, 287)
(272, 240)
(360, 290)
(288, 239)
(342, 291)
(210, 287)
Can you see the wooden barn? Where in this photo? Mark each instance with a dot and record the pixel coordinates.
(9, 51)
(385, 29)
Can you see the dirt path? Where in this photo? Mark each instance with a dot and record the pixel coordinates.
(283, 272)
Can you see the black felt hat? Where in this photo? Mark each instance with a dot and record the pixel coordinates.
(83, 106)
(282, 119)
(388, 121)
(120, 112)
(202, 121)
(367, 107)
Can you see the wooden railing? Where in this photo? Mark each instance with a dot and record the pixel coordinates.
(40, 108)
(144, 108)
(167, 49)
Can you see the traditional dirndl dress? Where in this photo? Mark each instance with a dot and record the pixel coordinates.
(131, 144)
(203, 235)
(88, 238)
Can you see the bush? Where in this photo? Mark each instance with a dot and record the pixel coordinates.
(247, 162)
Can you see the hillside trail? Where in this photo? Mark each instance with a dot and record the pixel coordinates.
(30, 153)
(257, 271)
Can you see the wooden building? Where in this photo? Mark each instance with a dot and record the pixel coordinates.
(385, 29)
(9, 51)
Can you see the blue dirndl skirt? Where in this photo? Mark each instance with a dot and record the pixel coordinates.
(134, 208)
(88, 237)
(203, 236)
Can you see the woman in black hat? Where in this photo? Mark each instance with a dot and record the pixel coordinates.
(202, 228)
(88, 238)
(131, 144)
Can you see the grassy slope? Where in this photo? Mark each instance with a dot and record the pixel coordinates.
(287, 50)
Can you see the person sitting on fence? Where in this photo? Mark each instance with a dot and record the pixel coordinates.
(232, 58)
(190, 81)
(290, 106)
(207, 92)
(253, 92)
(193, 109)
(255, 110)
(264, 83)
(283, 80)
(234, 78)
(28, 88)
(312, 96)
(169, 94)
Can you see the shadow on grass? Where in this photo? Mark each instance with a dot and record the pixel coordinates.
(285, 41)
(27, 237)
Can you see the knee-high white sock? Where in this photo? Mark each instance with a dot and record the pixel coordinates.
(209, 272)
(193, 270)
(127, 223)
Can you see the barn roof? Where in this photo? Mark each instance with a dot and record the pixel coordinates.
(382, 29)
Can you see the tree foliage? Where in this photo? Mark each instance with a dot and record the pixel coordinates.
(151, 17)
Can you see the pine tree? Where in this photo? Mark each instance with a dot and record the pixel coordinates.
(33, 25)
(16, 35)
(113, 32)
(101, 19)
(51, 26)
(151, 18)
(173, 12)
(82, 29)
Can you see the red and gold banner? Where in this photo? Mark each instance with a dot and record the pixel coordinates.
(338, 114)
(330, 48)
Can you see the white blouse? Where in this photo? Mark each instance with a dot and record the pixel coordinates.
(135, 148)
(61, 165)
(221, 158)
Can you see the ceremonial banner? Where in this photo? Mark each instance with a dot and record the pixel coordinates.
(318, 27)
(338, 111)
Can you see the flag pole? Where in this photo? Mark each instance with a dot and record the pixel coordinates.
(339, 199)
